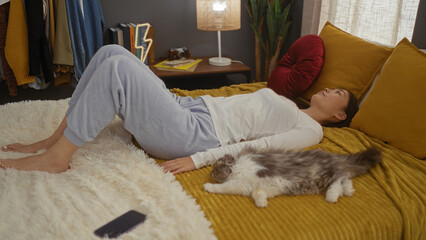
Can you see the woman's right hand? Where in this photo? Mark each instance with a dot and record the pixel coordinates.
(178, 165)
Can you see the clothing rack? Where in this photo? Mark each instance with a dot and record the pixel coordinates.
(56, 40)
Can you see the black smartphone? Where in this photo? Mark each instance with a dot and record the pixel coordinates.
(121, 224)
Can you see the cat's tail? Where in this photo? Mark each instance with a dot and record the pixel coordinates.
(360, 163)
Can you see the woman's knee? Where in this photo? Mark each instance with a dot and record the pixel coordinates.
(119, 68)
(110, 50)
(112, 47)
(126, 64)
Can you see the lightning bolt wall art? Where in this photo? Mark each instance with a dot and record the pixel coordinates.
(142, 44)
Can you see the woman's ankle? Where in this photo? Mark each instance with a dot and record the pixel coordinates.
(48, 142)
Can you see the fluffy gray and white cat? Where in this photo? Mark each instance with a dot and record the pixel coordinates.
(264, 175)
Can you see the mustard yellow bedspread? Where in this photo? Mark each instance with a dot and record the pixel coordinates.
(388, 203)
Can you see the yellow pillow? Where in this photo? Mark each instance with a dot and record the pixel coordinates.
(395, 109)
(350, 62)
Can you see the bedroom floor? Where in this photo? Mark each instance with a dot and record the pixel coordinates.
(61, 92)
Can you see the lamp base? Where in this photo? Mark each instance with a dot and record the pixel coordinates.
(222, 61)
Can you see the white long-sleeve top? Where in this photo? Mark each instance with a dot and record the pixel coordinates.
(260, 120)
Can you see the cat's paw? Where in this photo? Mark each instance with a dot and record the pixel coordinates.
(261, 203)
(332, 196)
(260, 198)
(209, 187)
(348, 189)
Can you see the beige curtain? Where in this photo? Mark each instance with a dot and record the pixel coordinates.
(311, 17)
(381, 21)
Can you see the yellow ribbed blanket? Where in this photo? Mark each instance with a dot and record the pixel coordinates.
(388, 203)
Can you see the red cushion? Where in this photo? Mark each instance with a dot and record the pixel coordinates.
(299, 68)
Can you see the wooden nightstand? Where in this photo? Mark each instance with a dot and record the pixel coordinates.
(204, 69)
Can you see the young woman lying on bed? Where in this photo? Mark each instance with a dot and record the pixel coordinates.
(190, 131)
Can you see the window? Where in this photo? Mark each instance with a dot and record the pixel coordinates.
(382, 21)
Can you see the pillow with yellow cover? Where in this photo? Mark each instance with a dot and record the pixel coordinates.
(395, 111)
(350, 62)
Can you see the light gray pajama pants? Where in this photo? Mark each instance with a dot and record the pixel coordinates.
(117, 83)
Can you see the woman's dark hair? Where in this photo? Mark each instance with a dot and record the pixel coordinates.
(350, 111)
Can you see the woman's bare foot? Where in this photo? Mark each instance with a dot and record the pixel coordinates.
(42, 162)
(55, 160)
(30, 148)
(35, 147)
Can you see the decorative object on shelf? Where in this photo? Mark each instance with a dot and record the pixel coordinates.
(178, 53)
(125, 35)
(219, 15)
(276, 13)
(142, 43)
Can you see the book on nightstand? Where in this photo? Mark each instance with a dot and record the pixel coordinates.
(120, 36)
(113, 35)
(126, 35)
(132, 37)
(178, 65)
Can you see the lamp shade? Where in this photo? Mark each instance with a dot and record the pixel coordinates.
(218, 15)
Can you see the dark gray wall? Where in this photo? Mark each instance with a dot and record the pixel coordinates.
(175, 25)
(419, 35)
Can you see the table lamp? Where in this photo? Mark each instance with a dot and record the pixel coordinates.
(219, 15)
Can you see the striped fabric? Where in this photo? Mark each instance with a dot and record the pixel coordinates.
(388, 203)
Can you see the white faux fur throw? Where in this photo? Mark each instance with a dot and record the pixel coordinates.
(108, 177)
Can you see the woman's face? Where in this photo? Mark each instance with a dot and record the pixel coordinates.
(331, 101)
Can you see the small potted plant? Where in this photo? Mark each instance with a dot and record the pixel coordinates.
(276, 14)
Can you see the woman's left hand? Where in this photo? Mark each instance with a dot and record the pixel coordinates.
(178, 165)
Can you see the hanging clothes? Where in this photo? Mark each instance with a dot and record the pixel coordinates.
(62, 50)
(86, 25)
(63, 59)
(8, 73)
(16, 49)
(40, 82)
(51, 27)
(39, 51)
(47, 24)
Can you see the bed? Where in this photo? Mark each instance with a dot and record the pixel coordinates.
(388, 203)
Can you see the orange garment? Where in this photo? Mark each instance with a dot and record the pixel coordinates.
(16, 49)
